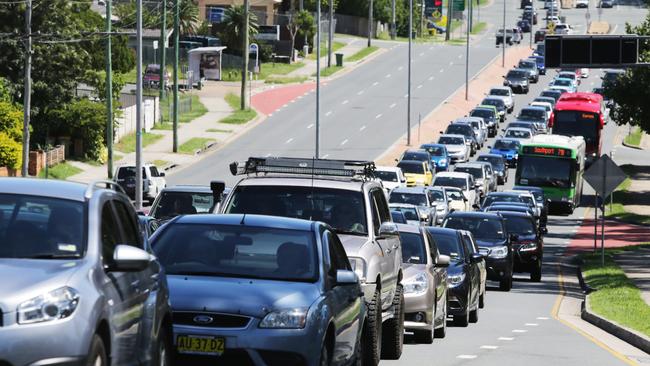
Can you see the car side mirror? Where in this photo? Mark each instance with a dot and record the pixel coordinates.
(476, 257)
(514, 237)
(127, 258)
(344, 277)
(443, 261)
(388, 229)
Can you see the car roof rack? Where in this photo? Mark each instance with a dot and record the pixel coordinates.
(305, 166)
(94, 185)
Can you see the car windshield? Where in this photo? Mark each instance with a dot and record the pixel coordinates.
(519, 74)
(460, 129)
(173, 204)
(411, 213)
(484, 113)
(491, 199)
(502, 92)
(527, 65)
(237, 251)
(449, 245)
(418, 199)
(517, 134)
(413, 249)
(562, 82)
(551, 94)
(506, 145)
(519, 225)
(411, 167)
(532, 114)
(342, 209)
(481, 227)
(386, 175)
(398, 217)
(476, 172)
(542, 171)
(454, 195)
(451, 182)
(436, 195)
(567, 75)
(451, 140)
(496, 161)
(419, 156)
(435, 150)
(41, 227)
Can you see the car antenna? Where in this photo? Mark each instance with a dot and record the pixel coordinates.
(242, 219)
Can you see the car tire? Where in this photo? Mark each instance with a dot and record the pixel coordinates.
(536, 272)
(97, 354)
(481, 300)
(362, 345)
(473, 315)
(462, 320)
(392, 340)
(442, 331)
(423, 336)
(164, 349)
(325, 355)
(372, 331)
(505, 284)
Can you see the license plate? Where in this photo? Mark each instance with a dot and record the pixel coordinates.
(200, 345)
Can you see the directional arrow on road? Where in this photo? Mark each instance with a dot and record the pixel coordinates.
(604, 176)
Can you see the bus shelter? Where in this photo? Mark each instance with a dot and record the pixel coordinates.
(205, 63)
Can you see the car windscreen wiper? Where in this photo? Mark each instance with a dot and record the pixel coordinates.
(53, 256)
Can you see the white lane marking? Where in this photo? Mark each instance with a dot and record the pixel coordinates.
(284, 106)
(345, 102)
(451, 63)
(419, 86)
(325, 156)
(489, 347)
(400, 68)
(406, 95)
(344, 142)
(430, 78)
(442, 70)
(310, 126)
(378, 116)
(267, 155)
(360, 92)
(328, 113)
(375, 83)
(421, 53)
(293, 101)
(467, 357)
(542, 318)
(387, 76)
(531, 324)
(289, 141)
(306, 94)
(392, 105)
(362, 128)
(430, 48)
(506, 338)
(460, 56)
(519, 331)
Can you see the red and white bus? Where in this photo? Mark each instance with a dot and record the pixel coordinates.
(581, 114)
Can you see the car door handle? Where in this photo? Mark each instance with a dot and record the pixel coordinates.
(388, 251)
(395, 246)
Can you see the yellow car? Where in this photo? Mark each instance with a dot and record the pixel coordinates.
(417, 173)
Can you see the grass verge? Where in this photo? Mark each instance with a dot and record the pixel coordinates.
(329, 71)
(190, 108)
(285, 79)
(634, 139)
(127, 144)
(478, 28)
(60, 171)
(193, 144)
(323, 49)
(363, 53)
(617, 298)
(266, 70)
(218, 130)
(238, 116)
(159, 163)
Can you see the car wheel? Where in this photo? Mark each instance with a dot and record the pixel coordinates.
(536, 273)
(505, 284)
(423, 336)
(163, 351)
(442, 331)
(473, 315)
(325, 355)
(372, 331)
(393, 340)
(97, 355)
(362, 347)
(462, 320)
(481, 300)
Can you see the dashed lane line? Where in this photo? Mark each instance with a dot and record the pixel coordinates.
(506, 338)
(378, 116)
(344, 142)
(289, 140)
(362, 128)
(467, 357)
(392, 105)
(345, 102)
(310, 126)
(328, 113)
(519, 331)
(489, 347)
(531, 324)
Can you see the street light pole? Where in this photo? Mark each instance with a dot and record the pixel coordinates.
(408, 103)
(138, 108)
(330, 33)
(109, 91)
(503, 45)
(469, 22)
(370, 20)
(318, 16)
(175, 110)
(246, 53)
(27, 98)
(393, 29)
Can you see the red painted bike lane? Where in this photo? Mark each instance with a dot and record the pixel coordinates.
(617, 234)
(269, 101)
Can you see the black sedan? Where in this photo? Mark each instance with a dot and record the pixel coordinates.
(528, 244)
(498, 166)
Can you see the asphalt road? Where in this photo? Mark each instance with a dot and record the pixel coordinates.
(363, 114)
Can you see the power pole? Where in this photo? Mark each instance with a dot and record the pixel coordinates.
(503, 45)
(138, 107)
(176, 38)
(245, 52)
(449, 16)
(330, 35)
(393, 27)
(27, 98)
(163, 52)
(370, 20)
(109, 90)
(301, 5)
(318, 28)
(469, 22)
(408, 102)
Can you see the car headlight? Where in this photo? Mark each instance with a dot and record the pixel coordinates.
(455, 280)
(500, 174)
(418, 285)
(516, 156)
(359, 267)
(56, 304)
(528, 246)
(285, 319)
(499, 252)
(442, 162)
(565, 199)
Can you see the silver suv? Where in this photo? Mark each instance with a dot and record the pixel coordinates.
(80, 286)
(345, 195)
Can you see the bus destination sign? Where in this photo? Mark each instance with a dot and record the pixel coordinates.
(550, 151)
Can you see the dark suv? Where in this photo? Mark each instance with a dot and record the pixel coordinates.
(489, 230)
(465, 130)
(528, 246)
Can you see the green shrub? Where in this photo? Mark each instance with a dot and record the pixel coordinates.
(10, 152)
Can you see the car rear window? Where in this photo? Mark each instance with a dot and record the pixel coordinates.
(413, 249)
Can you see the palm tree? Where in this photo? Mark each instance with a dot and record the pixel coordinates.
(189, 16)
(233, 23)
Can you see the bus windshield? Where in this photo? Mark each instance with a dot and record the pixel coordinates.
(544, 171)
(577, 123)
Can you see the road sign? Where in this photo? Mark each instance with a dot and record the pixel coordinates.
(155, 45)
(458, 5)
(604, 176)
(550, 26)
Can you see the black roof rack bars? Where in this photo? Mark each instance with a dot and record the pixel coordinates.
(304, 166)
